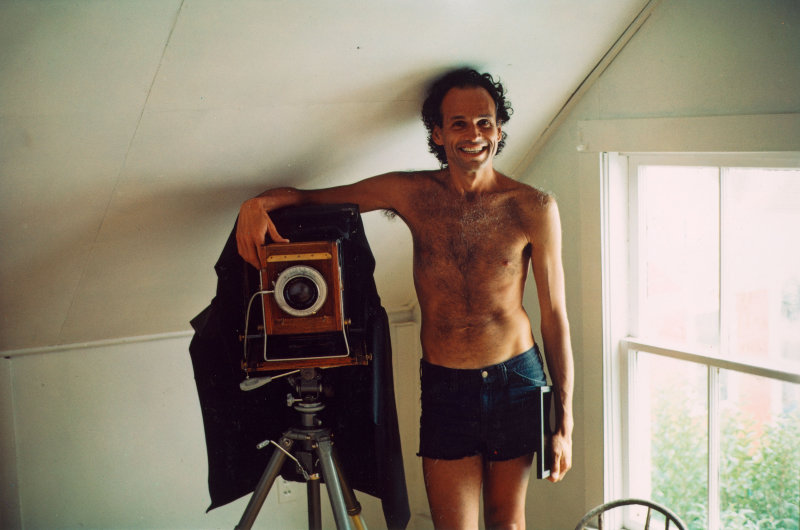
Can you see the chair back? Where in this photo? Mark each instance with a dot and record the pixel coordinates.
(671, 520)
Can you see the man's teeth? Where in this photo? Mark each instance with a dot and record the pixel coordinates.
(472, 149)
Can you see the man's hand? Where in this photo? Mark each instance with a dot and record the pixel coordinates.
(251, 230)
(560, 456)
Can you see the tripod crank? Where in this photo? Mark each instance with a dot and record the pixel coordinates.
(265, 484)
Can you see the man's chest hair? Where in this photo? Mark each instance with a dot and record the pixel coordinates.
(459, 215)
(468, 230)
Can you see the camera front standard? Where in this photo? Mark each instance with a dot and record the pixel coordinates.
(306, 284)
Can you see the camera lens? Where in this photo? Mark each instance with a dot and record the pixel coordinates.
(300, 293)
(300, 290)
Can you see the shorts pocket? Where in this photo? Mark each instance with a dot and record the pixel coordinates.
(530, 374)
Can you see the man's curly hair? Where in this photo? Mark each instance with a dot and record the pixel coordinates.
(462, 78)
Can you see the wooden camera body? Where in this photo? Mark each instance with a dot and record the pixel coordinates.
(306, 284)
(316, 293)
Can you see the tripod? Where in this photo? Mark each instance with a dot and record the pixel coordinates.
(309, 440)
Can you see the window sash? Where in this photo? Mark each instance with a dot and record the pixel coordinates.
(780, 371)
(713, 364)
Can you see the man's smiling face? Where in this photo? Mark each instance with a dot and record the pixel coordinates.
(469, 132)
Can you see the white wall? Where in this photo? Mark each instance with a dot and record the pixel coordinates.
(112, 437)
(691, 58)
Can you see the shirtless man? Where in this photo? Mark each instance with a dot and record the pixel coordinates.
(475, 232)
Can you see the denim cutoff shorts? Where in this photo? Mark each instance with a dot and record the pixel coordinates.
(487, 411)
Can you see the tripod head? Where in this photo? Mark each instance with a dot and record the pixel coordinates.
(307, 399)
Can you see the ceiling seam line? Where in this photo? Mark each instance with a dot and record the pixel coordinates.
(120, 171)
(147, 98)
(601, 66)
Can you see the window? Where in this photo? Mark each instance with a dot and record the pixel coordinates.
(706, 325)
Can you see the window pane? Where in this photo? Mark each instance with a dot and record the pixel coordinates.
(759, 467)
(679, 254)
(761, 257)
(672, 425)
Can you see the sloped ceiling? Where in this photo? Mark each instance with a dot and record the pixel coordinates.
(130, 131)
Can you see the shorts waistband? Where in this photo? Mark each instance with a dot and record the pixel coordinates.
(489, 373)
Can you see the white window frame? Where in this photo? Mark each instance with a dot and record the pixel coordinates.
(603, 206)
(621, 343)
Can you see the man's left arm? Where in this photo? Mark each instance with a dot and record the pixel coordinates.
(548, 274)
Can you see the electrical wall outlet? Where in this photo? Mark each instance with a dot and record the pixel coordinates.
(287, 491)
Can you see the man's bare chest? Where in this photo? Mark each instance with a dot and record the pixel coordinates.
(468, 232)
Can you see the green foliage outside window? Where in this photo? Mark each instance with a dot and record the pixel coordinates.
(759, 469)
(680, 460)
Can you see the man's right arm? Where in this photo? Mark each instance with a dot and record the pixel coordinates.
(254, 221)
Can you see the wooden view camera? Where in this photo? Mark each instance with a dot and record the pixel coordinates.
(303, 322)
(315, 293)
(307, 288)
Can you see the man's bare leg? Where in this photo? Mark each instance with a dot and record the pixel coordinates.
(504, 490)
(454, 491)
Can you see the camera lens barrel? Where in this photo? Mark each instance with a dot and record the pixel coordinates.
(300, 290)
(300, 293)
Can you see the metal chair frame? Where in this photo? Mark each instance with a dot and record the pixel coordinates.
(599, 511)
